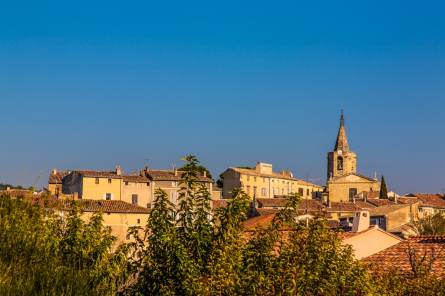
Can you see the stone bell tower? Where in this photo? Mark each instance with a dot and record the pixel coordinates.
(341, 161)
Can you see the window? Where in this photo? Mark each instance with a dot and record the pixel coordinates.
(264, 180)
(300, 191)
(148, 183)
(340, 163)
(263, 192)
(139, 221)
(352, 193)
(128, 237)
(134, 199)
(126, 183)
(248, 189)
(248, 178)
(108, 196)
(254, 178)
(109, 181)
(307, 192)
(97, 181)
(254, 191)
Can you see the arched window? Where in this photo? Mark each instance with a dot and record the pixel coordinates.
(340, 163)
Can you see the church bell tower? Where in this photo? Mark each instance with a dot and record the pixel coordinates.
(341, 161)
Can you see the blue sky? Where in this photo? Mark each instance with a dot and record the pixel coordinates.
(91, 84)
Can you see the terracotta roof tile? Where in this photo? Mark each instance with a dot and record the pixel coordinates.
(380, 202)
(396, 257)
(384, 210)
(56, 178)
(407, 200)
(219, 203)
(262, 221)
(343, 207)
(135, 179)
(87, 205)
(429, 200)
(99, 174)
(168, 175)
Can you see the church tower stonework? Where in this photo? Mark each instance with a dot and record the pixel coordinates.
(343, 182)
(341, 161)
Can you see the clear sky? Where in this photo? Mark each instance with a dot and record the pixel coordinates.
(89, 84)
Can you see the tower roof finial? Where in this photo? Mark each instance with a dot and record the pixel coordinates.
(342, 140)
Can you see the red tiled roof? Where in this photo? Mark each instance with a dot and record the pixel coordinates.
(219, 203)
(407, 200)
(111, 206)
(258, 222)
(56, 178)
(88, 205)
(396, 257)
(99, 174)
(383, 210)
(166, 175)
(135, 179)
(430, 200)
(364, 205)
(380, 202)
(343, 207)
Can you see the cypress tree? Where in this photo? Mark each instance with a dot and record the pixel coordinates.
(383, 189)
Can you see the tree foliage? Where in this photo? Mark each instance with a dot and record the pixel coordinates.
(430, 225)
(186, 249)
(383, 189)
(43, 254)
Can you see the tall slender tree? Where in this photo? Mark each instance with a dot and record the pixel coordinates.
(383, 189)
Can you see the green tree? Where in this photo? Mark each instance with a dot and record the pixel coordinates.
(430, 225)
(383, 189)
(43, 254)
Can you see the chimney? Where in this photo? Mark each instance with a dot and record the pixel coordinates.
(8, 188)
(118, 170)
(205, 174)
(361, 221)
(54, 171)
(176, 172)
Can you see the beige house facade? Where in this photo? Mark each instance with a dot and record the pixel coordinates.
(263, 182)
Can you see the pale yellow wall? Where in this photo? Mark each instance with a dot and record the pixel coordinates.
(120, 223)
(143, 190)
(55, 189)
(91, 190)
(398, 218)
(370, 242)
(339, 191)
(266, 187)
